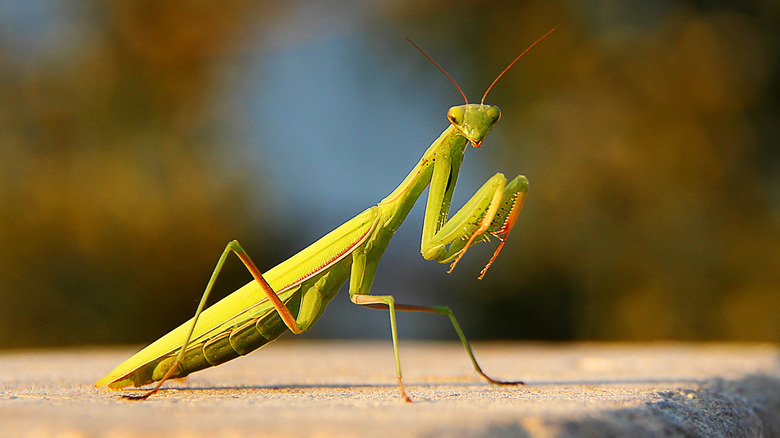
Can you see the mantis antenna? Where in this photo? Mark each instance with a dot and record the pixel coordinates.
(497, 77)
(440, 69)
(513, 62)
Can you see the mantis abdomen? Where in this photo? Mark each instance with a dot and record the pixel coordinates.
(225, 346)
(306, 303)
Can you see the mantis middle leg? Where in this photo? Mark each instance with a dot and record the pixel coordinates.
(387, 302)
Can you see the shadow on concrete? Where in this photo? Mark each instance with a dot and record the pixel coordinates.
(749, 407)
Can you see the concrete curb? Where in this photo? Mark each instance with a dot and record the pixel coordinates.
(342, 388)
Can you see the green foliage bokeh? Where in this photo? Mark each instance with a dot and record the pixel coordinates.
(649, 136)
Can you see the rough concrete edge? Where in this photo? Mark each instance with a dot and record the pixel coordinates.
(749, 407)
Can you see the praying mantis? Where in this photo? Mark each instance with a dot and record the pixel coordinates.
(293, 295)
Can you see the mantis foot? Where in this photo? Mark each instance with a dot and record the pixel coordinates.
(493, 381)
(138, 397)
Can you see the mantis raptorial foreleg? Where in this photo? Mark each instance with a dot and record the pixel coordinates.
(492, 210)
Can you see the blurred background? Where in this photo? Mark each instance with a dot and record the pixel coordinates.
(138, 138)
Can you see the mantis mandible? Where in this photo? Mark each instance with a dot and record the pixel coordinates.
(294, 294)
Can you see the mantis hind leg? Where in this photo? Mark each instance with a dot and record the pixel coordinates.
(444, 310)
(387, 302)
(284, 312)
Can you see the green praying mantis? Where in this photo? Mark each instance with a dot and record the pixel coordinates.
(293, 295)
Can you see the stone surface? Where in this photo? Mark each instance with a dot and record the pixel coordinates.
(343, 388)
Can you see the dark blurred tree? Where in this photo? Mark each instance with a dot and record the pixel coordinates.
(649, 134)
(647, 130)
(113, 208)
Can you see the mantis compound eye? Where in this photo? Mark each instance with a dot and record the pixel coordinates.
(493, 114)
(455, 115)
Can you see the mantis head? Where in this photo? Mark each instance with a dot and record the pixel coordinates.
(474, 121)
